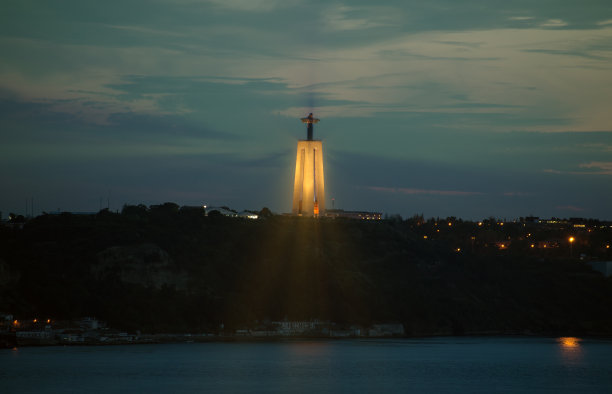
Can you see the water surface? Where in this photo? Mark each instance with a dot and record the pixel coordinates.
(441, 365)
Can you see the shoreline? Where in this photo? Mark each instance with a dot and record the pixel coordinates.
(160, 339)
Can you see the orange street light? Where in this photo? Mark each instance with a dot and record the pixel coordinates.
(571, 241)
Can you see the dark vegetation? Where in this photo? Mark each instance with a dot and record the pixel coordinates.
(167, 269)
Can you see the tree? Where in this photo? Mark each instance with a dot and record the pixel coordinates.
(265, 212)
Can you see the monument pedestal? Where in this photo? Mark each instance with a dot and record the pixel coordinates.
(309, 187)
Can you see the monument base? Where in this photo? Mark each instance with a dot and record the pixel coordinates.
(309, 187)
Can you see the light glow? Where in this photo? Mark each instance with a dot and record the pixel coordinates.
(569, 342)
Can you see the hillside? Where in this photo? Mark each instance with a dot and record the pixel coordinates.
(165, 269)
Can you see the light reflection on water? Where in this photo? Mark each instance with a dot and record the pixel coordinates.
(440, 365)
(571, 351)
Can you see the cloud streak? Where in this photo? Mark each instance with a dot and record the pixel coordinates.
(602, 167)
(413, 191)
(599, 167)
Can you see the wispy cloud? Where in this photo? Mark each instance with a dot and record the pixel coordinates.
(554, 23)
(605, 23)
(403, 190)
(596, 167)
(520, 18)
(602, 167)
(342, 17)
(253, 5)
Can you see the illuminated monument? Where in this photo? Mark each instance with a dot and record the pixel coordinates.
(309, 187)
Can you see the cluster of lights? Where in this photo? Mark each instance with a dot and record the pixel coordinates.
(16, 322)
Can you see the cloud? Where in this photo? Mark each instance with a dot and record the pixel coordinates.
(520, 18)
(603, 167)
(605, 23)
(599, 167)
(554, 23)
(252, 5)
(343, 18)
(403, 190)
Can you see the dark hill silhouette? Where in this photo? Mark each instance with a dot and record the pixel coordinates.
(166, 269)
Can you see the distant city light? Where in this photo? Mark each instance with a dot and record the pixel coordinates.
(569, 342)
(571, 239)
(424, 236)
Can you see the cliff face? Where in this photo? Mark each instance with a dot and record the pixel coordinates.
(144, 264)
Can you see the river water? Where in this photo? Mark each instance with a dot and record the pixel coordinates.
(438, 365)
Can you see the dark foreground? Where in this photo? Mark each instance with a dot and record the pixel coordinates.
(169, 270)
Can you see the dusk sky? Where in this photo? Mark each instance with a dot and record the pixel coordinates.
(443, 107)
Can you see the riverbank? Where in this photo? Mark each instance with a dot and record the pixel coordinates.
(8, 342)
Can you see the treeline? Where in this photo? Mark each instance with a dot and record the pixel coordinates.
(170, 269)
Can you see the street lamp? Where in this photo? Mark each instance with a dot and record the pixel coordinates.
(571, 241)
